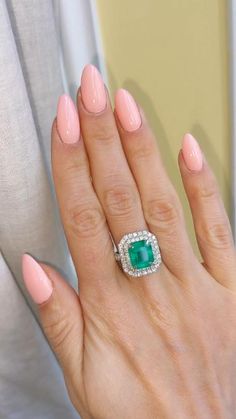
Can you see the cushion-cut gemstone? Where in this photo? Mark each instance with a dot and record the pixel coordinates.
(141, 254)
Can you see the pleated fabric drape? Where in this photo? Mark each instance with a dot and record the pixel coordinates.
(31, 383)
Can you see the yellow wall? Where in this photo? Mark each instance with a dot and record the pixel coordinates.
(173, 56)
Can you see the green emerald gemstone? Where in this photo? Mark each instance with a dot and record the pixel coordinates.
(141, 254)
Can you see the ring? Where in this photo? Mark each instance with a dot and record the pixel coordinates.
(138, 253)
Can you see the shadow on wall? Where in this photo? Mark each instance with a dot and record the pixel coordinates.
(212, 158)
(144, 100)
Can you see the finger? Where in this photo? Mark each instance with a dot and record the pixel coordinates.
(82, 216)
(211, 222)
(113, 181)
(161, 206)
(59, 310)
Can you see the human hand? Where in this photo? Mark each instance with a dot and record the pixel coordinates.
(158, 346)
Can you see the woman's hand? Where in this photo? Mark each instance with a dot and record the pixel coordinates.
(159, 346)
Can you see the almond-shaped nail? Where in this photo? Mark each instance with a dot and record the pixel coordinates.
(67, 120)
(192, 153)
(36, 281)
(93, 90)
(127, 110)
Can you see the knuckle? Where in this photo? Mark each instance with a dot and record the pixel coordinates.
(58, 331)
(86, 221)
(216, 234)
(162, 213)
(142, 151)
(206, 191)
(75, 171)
(92, 256)
(104, 133)
(120, 200)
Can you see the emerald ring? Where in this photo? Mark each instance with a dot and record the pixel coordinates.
(139, 253)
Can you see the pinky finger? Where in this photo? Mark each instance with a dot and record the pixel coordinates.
(212, 227)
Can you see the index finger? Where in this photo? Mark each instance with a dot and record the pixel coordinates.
(82, 216)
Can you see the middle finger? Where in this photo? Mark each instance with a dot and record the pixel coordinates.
(112, 178)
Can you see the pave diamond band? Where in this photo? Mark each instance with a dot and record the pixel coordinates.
(139, 253)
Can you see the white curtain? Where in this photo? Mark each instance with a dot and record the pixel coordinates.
(33, 68)
(79, 40)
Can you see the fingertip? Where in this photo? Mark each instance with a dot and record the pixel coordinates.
(93, 90)
(192, 153)
(36, 280)
(68, 125)
(127, 111)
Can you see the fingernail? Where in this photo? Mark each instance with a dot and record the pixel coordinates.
(192, 153)
(127, 110)
(67, 120)
(93, 90)
(37, 282)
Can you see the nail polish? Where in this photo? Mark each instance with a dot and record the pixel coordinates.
(127, 111)
(36, 281)
(67, 120)
(93, 90)
(192, 153)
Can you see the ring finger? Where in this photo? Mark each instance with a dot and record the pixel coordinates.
(161, 206)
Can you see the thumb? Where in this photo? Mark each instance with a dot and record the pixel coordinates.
(60, 313)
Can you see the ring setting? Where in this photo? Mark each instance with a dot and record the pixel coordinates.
(139, 253)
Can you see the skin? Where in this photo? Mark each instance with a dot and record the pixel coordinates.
(161, 346)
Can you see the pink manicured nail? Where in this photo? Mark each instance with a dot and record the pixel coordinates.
(37, 282)
(67, 120)
(127, 110)
(93, 89)
(192, 153)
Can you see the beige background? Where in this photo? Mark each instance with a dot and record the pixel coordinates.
(173, 56)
